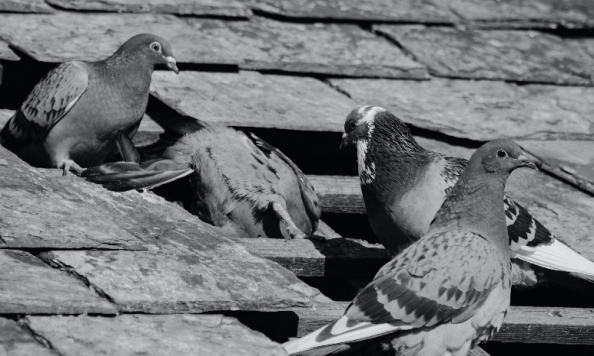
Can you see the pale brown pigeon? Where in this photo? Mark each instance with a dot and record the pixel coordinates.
(71, 118)
(447, 291)
(404, 185)
(238, 181)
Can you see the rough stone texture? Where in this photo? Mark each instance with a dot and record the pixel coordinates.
(366, 10)
(4, 116)
(6, 53)
(229, 8)
(14, 341)
(28, 286)
(525, 56)
(25, 6)
(252, 99)
(213, 335)
(41, 209)
(480, 110)
(311, 48)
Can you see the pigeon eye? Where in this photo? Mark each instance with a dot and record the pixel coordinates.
(352, 126)
(156, 46)
(501, 154)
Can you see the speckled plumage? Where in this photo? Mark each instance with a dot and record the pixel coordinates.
(411, 183)
(447, 291)
(73, 115)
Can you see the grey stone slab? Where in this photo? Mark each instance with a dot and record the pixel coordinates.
(366, 10)
(29, 286)
(213, 335)
(6, 53)
(524, 56)
(4, 116)
(25, 6)
(14, 341)
(230, 8)
(480, 110)
(312, 48)
(41, 209)
(251, 99)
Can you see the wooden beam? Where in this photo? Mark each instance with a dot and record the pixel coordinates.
(548, 325)
(339, 194)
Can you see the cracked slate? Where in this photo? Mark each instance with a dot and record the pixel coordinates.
(29, 286)
(228, 8)
(256, 44)
(14, 341)
(213, 335)
(251, 99)
(6, 53)
(25, 6)
(524, 56)
(479, 110)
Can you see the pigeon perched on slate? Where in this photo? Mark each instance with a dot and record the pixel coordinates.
(404, 185)
(72, 116)
(447, 291)
(239, 182)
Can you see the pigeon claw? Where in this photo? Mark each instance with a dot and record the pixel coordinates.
(68, 165)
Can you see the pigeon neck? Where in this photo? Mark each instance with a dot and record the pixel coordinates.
(475, 204)
(126, 63)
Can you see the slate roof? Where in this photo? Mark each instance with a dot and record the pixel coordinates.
(86, 270)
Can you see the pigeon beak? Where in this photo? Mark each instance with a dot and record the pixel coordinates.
(172, 64)
(344, 142)
(524, 161)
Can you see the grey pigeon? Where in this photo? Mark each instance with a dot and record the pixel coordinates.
(404, 185)
(447, 291)
(71, 118)
(238, 181)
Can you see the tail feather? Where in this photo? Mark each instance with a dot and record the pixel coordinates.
(556, 256)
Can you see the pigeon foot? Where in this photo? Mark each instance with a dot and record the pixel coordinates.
(68, 165)
(281, 212)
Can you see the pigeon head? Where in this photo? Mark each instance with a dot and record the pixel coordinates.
(149, 50)
(499, 157)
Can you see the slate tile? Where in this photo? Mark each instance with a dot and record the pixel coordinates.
(251, 99)
(480, 110)
(4, 116)
(6, 53)
(311, 48)
(183, 279)
(174, 335)
(228, 8)
(14, 341)
(422, 11)
(524, 56)
(25, 6)
(29, 286)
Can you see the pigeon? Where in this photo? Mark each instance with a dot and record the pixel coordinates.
(237, 181)
(71, 118)
(447, 291)
(404, 185)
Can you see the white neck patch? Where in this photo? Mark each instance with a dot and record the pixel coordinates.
(367, 113)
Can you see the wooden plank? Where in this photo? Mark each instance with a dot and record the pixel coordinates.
(481, 110)
(213, 335)
(31, 287)
(15, 341)
(41, 209)
(25, 6)
(251, 99)
(6, 53)
(423, 11)
(315, 258)
(229, 8)
(523, 56)
(568, 326)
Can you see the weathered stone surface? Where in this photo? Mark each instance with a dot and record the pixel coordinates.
(15, 341)
(231, 8)
(311, 48)
(35, 6)
(41, 209)
(152, 335)
(525, 56)
(480, 110)
(366, 10)
(252, 99)
(28, 286)
(4, 116)
(6, 53)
